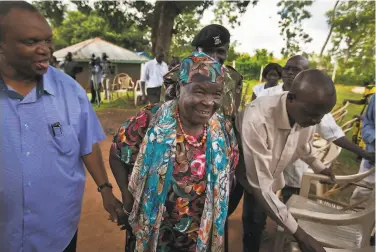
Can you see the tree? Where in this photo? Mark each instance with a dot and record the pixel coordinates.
(188, 25)
(292, 14)
(231, 10)
(78, 27)
(52, 10)
(353, 40)
(232, 54)
(332, 16)
(161, 18)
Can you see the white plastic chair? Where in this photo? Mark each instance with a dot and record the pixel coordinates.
(339, 116)
(342, 226)
(138, 93)
(336, 112)
(122, 84)
(294, 247)
(347, 126)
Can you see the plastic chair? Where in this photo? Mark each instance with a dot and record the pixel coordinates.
(327, 155)
(347, 126)
(343, 226)
(339, 117)
(122, 84)
(138, 93)
(336, 112)
(294, 247)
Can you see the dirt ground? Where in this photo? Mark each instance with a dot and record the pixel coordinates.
(98, 234)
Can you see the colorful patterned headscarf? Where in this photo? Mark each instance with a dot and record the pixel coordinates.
(200, 67)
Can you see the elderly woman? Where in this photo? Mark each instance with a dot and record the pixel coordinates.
(182, 156)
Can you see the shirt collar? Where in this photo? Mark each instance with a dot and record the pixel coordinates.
(156, 62)
(281, 113)
(44, 85)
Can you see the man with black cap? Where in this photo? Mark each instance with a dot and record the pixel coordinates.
(213, 40)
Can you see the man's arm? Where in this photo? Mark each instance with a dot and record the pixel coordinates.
(95, 166)
(357, 102)
(330, 131)
(344, 143)
(257, 159)
(89, 136)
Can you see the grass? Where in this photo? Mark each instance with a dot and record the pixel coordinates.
(119, 102)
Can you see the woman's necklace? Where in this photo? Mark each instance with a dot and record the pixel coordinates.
(187, 137)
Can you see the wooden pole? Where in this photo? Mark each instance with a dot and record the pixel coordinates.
(262, 69)
(334, 71)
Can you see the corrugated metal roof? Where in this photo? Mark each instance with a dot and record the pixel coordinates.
(83, 51)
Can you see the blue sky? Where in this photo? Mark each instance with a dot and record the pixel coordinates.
(259, 27)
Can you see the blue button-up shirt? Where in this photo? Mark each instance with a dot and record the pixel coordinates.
(42, 174)
(368, 128)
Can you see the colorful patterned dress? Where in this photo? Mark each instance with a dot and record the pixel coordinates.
(185, 201)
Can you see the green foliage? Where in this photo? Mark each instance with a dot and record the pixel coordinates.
(250, 66)
(232, 54)
(292, 14)
(354, 40)
(188, 25)
(231, 10)
(53, 10)
(78, 27)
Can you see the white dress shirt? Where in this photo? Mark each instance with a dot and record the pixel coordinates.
(153, 73)
(260, 87)
(270, 144)
(327, 129)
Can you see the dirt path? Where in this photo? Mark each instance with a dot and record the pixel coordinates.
(97, 234)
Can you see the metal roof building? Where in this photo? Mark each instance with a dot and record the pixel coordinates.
(83, 51)
(123, 60)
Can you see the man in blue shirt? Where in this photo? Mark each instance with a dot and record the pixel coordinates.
(48, 130)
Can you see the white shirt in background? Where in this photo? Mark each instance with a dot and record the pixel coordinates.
(153, 73)
(259, 88)
(327, 129)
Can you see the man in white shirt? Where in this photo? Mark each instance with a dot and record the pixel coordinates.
(276, 131)
(327, 129)
(152, 76)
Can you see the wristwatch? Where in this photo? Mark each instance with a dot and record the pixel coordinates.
(102, 186)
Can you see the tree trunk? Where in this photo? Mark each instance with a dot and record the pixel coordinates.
(331, 29)
(162, 30)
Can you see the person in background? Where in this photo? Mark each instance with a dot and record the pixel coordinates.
(53, 61)
(48, 132)
(368, 134)
(70, 66)
(369, 90)
(276, 131)
(96, 80)
(362, 194)
(152, 78)
(174, 62)
(272, 73)
(185, 176)
(105, 63)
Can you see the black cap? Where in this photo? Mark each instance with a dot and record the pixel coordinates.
(213, 35)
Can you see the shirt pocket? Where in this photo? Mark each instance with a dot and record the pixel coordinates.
(64, 139)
